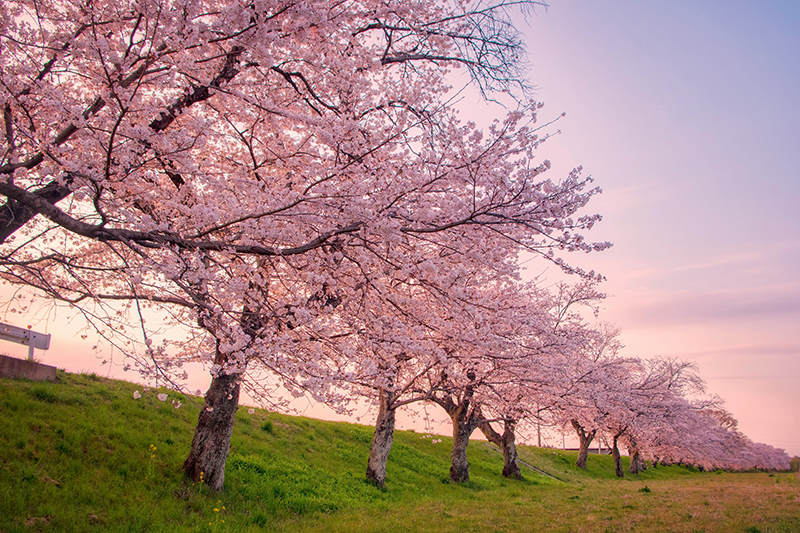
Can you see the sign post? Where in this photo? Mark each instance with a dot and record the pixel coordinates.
(32, 339)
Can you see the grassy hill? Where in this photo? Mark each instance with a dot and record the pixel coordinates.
(84, 455)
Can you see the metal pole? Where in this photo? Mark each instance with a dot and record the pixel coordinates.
(539, 432)
(30, 336)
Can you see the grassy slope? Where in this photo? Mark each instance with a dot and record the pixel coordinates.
(83, 455)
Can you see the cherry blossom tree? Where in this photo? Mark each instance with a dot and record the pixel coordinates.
(655, 393)
(290, 184)
(508, 380)
(231, 162)
(658, 409)
(597, 390)
(535, 377)
(670, 386)
(423, 345)
(706, 436)
(574, 379)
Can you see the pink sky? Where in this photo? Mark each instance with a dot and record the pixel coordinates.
(686, 114)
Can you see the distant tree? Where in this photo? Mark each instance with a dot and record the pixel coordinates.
(584, 372)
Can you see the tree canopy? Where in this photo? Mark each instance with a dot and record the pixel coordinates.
(291, 181)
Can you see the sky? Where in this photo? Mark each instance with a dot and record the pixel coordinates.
(687, 115)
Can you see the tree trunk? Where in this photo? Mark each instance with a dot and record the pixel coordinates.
(381, 440)
(459, 466)
(586, 440)
(212, 436)
(637, 464)
(465, 421)
(617, 458)
(510, 457)
(507, 442)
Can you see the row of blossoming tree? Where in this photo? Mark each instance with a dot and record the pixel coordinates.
(535, 360)
(290, 184)
(658, 408)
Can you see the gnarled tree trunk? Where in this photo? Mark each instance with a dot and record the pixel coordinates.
(507, 443)
(464, 423)
(637, 463)
(212, 436)
(586, 440)
(381, 440)
(510, 457)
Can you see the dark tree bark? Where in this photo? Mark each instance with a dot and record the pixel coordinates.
(617, 457)
(586, 440)
(381, 440)
(14, 215)
(465, 421)
(637, 463)
(506, 442)
(212, 436)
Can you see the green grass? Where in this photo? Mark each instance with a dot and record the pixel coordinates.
(83, 455)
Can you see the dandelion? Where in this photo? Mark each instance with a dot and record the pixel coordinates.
(136, 395)
(151, 464)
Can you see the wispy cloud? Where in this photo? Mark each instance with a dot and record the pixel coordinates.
(762, 260)
(689, 307)
(746, 350)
